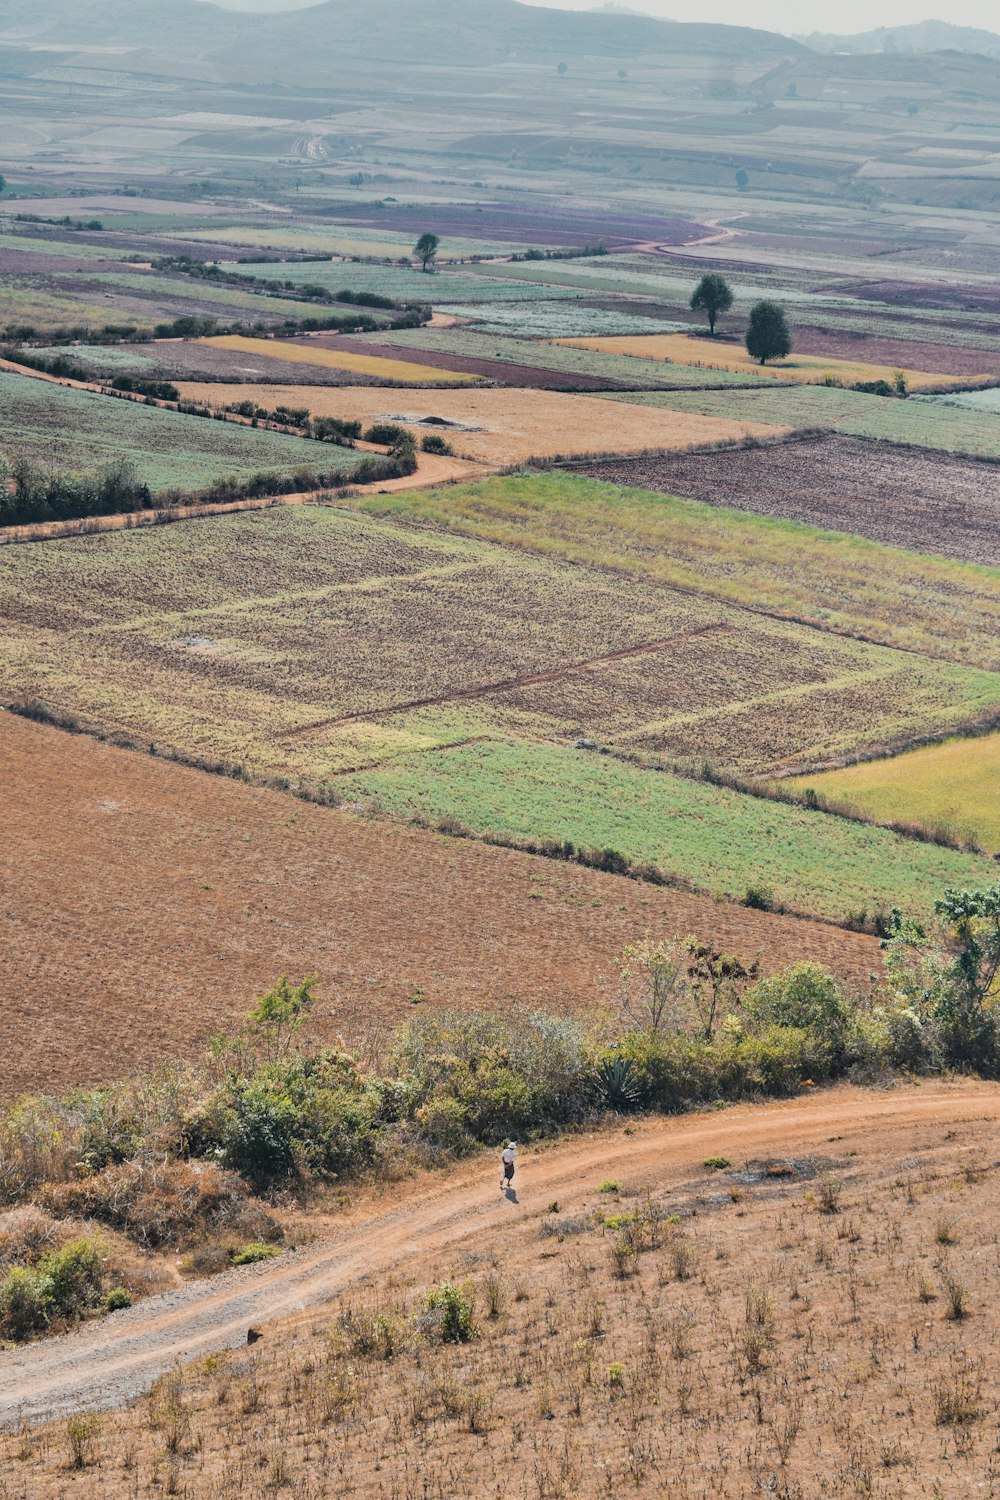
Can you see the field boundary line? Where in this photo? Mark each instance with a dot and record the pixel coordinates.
(549, 674)
(706, 595)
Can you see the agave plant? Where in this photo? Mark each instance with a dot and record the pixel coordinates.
(616, 1082)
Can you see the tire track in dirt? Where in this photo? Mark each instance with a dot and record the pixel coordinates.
(109, 1363)
(507, 684)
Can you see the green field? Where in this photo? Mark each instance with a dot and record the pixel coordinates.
(723, 841)
(985, 401)
(955, 785)
(557, 320)
(404, 285)
(945, 428)
(58, 427)
(834, 581)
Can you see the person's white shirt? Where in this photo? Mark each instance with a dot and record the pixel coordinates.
(509, 1153)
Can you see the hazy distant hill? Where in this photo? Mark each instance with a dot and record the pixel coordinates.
(925, 36)
(160, 36)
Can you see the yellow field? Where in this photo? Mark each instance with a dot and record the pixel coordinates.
(336, 359)
(511, 425)
(680, 349)
(956, 783)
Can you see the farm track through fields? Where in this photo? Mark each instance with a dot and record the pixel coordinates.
(109, 1363)
(551, 674)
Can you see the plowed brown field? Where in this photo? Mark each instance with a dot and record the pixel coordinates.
(926, 502)
(142, 905)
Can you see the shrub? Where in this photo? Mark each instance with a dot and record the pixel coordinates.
(65, 1284)
(166, 1202)
(448, 1311)
(433, 442)
(118, 1298)
(444, 1123)
(759, 897)
(387, 434)
(805, 996)
(251, 1254)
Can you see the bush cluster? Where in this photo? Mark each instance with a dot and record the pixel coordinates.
(169, 1158)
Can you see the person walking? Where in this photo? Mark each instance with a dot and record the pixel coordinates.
(507, 1158)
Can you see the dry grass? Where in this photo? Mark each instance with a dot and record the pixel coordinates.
(511, 425)
(953, 784)
(741, 1342)
(335, 359)
(809, 369)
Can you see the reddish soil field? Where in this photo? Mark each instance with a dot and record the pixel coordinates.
(492, 369)
(923, 294)
(905, 354)
(145, 905)
(904, 497)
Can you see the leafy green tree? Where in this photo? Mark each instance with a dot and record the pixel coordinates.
(767, 336)
(712, 296)
(968, 1003)
(742, 179)
(562, 69)
(426, 250)
(950, 974)
(277, 1017)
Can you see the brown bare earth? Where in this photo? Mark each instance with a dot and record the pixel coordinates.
(906, 354)
(903, 497)
(812, 1315)
(143, 904)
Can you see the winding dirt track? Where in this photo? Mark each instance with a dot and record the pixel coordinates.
(106, 1364)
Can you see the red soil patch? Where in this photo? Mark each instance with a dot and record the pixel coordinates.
(901, 354)
(145, 905)
(936, 294)
(491, 369)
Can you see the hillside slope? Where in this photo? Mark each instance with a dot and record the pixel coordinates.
(303, 45)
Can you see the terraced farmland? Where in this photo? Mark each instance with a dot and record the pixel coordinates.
(55, 425)
(928, 502)
(618, 370)
(309, 641)
(403, 285)
(835, 582)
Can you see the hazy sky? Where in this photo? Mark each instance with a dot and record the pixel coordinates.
(773, 15)
(813, 15)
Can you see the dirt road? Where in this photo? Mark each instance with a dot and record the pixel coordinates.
(108, 1363)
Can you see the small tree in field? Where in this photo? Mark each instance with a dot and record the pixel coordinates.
(767, 336)
(712, 296)
(426, 250)
(654, 993)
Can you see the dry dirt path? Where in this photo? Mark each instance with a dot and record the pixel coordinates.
(107, 1364)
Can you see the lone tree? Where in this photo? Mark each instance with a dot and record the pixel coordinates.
(426, 250)
(712, 296)
(767, 336)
